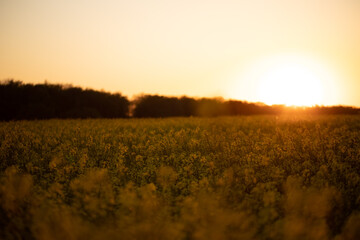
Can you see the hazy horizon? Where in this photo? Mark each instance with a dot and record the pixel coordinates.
(276, 52)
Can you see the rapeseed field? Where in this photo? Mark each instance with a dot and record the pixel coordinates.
(258, 177)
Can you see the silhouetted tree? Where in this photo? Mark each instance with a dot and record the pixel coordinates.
(157, 106)
(210, 107)
(43, 101)
(160, 106)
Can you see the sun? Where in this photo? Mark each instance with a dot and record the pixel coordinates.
(291, 81)
(286, 79)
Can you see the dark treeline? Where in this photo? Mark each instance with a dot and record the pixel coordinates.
(44, 101)
(160, 106)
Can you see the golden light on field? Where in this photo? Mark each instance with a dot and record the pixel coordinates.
(289, 79)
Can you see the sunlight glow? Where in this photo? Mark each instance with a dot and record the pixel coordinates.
(291, 83)
(289, 79)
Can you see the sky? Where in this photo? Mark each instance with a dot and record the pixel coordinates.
(198, 48)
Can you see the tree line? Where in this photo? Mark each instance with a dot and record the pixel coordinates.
(19, 101)
(43, 101)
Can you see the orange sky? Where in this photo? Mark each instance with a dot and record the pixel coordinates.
(198, 47)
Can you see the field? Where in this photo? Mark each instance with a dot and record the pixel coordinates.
(261, 177)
